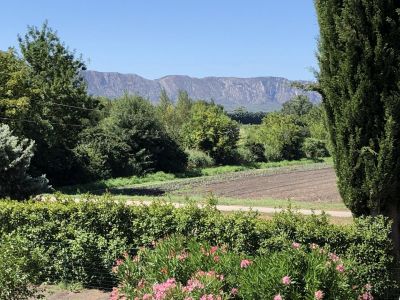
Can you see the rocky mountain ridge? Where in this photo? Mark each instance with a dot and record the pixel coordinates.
(255, 94)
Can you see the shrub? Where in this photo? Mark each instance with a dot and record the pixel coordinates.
(315, 149)
(250, 153)
(181, 268)
(80, 241)
(19, 268)
(149, 146)
(281, 136)
(212, 131)
(15, 159)
(199, 159)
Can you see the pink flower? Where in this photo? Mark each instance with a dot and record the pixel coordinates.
(140, 284)
(245, 263)
(213, 249)
(278, 297)
(333, 257)
(147, 297)
(160, 290)
(319, 295)
(286, 280)
(216, 258)
(183, 256)
(340, 268)
(114, 294)
(366, 296)
(192, 284)
(368, 287)
(295, 245)
(210, 297)
(189, 298)
(234, 291)
(314, 246)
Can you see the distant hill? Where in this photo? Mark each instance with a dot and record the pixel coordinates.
(256, 94)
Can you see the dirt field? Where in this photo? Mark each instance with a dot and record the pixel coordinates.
(306, 185)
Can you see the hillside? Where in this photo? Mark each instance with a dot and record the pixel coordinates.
(258, 93)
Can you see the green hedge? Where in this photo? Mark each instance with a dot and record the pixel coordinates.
(81, 241)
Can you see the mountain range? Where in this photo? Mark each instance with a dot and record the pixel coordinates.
(255, 94)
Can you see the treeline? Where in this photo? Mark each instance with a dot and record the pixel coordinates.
(52, 127)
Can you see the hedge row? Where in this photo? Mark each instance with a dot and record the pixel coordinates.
(80, 241)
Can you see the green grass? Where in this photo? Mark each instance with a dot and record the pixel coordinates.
(266, 202)
(102, 185)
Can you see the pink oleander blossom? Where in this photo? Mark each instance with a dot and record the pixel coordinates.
(340, 268)
(314, 246)
(319, 295)
(278, 297)
(366, 296)
(333, 257)
(295, 245)
(182, 256)
(234, 291)
(161, 290)
(286, 280)
(245, 263)
(114, 294)
(213, 249)
(216, 258)
(147, 297)
(192, 284)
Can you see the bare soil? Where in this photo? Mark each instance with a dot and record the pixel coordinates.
(300, 185)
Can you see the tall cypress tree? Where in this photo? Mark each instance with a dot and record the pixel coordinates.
(359, 79)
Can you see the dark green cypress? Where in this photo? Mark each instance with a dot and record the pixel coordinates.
(359, 79)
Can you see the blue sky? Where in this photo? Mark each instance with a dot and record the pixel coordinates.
(154, 38)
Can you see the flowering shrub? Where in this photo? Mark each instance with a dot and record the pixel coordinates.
(302, 272)
(80, 241)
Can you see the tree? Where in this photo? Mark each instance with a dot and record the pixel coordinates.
(298, 106)
(15, 88)
(281, 136)
(150, 147)
(15, 158)
(102, 154)
(59, 108)
(211, 131)
(183, 107)
(167, 114)
(359, 59)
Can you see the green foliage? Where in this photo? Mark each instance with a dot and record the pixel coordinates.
(179, 268)
(150, 147)
(103, 154)
(242, 116)
(297, 106)
(251, 153)
(359, 59)
(55, 77)
(15, 158)
(316, 123)
(211, 131)
(75, 237)
(15, 90)
(20, 266)
(281, 136)
(183, 108)
(199, 159)
(314, 149)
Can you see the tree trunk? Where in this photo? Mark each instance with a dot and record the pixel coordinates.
(394, 214)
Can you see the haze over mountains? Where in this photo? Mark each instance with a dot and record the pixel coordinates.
(255, 94)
